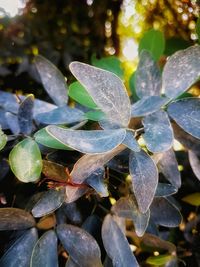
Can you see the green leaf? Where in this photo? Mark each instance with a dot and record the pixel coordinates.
(25, 161)
(193, 199)
(174, 44)
(159, 260)
(43, 256)
(44, 138)
(80, 95)
(132, 87)
(3, 139)
(90, 142)
(15, 219)
(111, 63)
(198, 28)
(154, 42)
(96, 115)
(53, 81)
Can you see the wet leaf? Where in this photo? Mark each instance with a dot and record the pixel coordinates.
(45, 251)
(15, 219)
(87, 164)
(25, 161)
(19, 254)
(158, 134)
(181, 71)
(53, 81)
(49, 202)
(194, 163)
(159, 260)
(147, 105)
(186, 113)
(164, 190)
(111, 63)
(91, 142)
(44, 138)
(193, 199)
(61, 115)
(81, 246)
(131, 142)
(144, 180)
(126, 207)
(106, 89)
(97, 181)
(12, 121)
(148, 77)
(116, 244)
(3, 139)
(164, 213)
(154, 42)
(168, 165)
(80, 95)
(25, 115)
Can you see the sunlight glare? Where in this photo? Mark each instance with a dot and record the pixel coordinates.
(11, 8)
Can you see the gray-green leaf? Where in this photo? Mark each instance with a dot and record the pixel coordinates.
(106, 89)
(144, 180)
(186, 113)
(3, 139)
(53, 81)
(181, 71)
(90, 142)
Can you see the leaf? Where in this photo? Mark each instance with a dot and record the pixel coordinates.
(96, 181)
(168, 165)
(164, 190)
(50, 201)
(42, 106)
(181, 71)
(8, 102)
(194, 163)
(73, 193)
(88, 164)
(154, 42)
(3, 122)
(174, 44)
(91, 142)
(159, 260)
(186, 113)
(131, 142)
(44, 138)
(61, 115)
(132, 87)
(25, 161)
(116, 244)
(111, 63)
(13, 124)
(15, 219)
(107, 90)
(19, 254)
(81, 246)
(78, 93)
(3, 139)
(156, 243)
(126, 207)
(72, 212)
(158, 134)
(53, 81)
(198, 28)
(187, 140)
(193, 199)
(164, 213)
(54, 170)
(147, 77)
(96, 115)
(45, 251)
(25, 115)
(147, 105)
(144, 180)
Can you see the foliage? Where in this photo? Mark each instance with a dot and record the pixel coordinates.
(132, 140)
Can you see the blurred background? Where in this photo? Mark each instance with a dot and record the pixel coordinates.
(64, 31)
